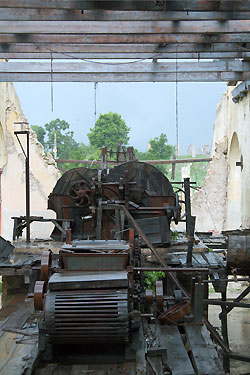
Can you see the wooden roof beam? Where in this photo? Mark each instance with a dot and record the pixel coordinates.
(126, 77)
(133, 56)
(133, 68)
(123, 48)
(19, 14)
(43, 39)
(173, 5)
(124, 27)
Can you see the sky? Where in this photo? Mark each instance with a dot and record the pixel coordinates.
(149, 109)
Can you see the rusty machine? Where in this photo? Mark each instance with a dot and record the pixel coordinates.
(93, 297)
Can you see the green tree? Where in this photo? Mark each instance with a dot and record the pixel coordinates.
(159, 149)
(64, 138)
(110, 129)
(40, 132)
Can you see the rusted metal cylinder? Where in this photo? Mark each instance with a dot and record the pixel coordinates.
(238, 254)
(81, 317)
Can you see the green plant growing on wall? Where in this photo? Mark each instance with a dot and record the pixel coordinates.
(152, 277)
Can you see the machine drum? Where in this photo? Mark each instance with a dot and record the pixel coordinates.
(87, 316)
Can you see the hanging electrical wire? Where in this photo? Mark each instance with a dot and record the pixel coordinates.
(154, 56)
(51, 82)
(176, 107)
(95, 91)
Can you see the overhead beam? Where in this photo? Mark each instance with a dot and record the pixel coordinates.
(126, 77)
(173, 5)
(119, 68)
(124, 27)
(143, 55)
(139, 38)
(154, 49)
(26, 14)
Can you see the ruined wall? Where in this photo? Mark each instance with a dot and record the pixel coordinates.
(43, 171)
(223, 203)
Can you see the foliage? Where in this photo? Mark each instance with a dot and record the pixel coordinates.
(152, 277)
(64, 138)
(67, 146)
(40, 132)
(159, 150)
(198, 171)
(109, 130)
(175, 235)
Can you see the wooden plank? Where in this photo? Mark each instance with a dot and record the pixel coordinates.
(177, 357)
(204, 354)
(81, 4)
(145, 48)
(17, 319)
(211, 259)
(124, 77)
(124, 27)
(176, 5)
(200, 260)
(29, 14)
(132, 56)
(104, 38)
(134, 68)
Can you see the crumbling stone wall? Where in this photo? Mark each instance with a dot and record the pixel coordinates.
(43, 169)
(223, 203)
(209, 203)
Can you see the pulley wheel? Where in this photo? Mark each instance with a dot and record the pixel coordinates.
(45, 265)
(38, 295)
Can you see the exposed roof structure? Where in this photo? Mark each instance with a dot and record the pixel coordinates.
(128, 41)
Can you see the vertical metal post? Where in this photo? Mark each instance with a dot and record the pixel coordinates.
(198, 302)
(1, 201)
(173, 168)
(27, 176)
(224, 331)
(190, 222)
(27, 172)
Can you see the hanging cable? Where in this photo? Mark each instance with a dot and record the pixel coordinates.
(51, 81)
(95, 88)
(176, 107)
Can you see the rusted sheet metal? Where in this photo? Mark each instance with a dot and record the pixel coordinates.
(81, 280)
(90, 199)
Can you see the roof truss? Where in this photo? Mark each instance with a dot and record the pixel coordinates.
(150, 30)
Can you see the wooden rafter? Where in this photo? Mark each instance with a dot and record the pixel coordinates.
(135, 29)
(138, 72)
(171, 5)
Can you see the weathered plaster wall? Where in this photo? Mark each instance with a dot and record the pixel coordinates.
(223, 203)
(43, 171)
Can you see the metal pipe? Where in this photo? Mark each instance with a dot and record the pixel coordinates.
(170, 269)
(226, 303)
(153, 162)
